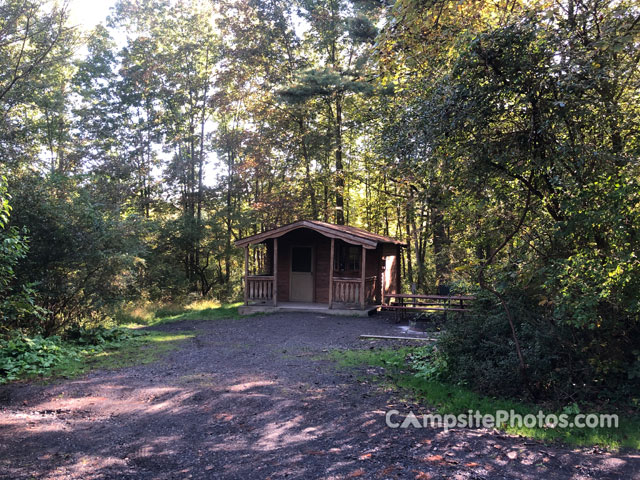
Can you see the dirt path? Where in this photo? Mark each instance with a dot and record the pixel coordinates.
(248, 399)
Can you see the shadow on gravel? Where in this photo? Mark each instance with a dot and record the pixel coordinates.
(228, 406)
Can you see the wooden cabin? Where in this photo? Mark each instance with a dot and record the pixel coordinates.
(316, 263)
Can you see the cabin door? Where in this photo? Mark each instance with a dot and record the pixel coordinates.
(301, 288)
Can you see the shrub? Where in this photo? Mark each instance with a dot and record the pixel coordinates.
(97, 336)
(428, 363)
(564, 363)
(24, 356)
(83, 258)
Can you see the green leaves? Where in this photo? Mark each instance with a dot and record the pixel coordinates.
(24, 356)
(361, 29)
(427, 363)
(82, 257)
(498, 106)
(17, 301)
(326, 82)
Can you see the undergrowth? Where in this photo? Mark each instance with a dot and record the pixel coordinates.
(79, 348)
(24, 356)
(414, 370)
(150, 313)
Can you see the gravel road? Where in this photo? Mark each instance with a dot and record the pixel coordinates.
(253, 398)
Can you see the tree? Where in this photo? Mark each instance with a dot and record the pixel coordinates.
(31, 34)
(505, 108)
(35, 44)
(18, 307)
(340, 38)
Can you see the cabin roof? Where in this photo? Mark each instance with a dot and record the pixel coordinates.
(353, 235)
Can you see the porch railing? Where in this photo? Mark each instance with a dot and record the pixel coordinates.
(260, 288)
(347, 290)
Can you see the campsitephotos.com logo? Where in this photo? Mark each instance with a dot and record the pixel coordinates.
(501, 418)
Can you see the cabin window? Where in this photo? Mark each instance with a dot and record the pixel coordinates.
(347, 258)
(301, 259)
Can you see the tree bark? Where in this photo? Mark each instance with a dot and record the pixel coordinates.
(339, 163)
(440, 244)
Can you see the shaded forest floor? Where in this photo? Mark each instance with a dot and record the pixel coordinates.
(258, 397)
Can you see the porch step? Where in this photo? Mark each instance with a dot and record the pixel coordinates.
(308, 308)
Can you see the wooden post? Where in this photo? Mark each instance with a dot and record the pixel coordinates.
(275, 272)
(363, 276)
(382, 272)
(396, 271)
(246, 275)
(331, 273)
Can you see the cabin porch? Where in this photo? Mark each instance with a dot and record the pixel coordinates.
(314, 266)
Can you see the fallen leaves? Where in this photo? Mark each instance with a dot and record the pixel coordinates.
(385, 472)
(356, 473)
(422, 475)
(437, 459)
(440, 460)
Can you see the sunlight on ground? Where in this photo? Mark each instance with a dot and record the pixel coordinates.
(139, 350)
(241, 387)
(279, 434)
(171, 338)
(202, 305)
(153, 313)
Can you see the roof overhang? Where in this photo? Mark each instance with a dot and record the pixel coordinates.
(323, 229)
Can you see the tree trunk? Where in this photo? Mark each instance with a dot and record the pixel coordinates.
(440, 246)
(339, 164)
(307, 167)
(484, 284)
(203, 117)
(409, 265)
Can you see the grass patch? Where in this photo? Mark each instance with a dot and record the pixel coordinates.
(393, 358)
(456, 400)
(138, 350)
(81, 350)
(155, 313)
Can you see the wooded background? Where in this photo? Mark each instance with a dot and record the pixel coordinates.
(499, 139)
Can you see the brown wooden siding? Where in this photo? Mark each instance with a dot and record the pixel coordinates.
(373, 268)
(384, 255)
(322, 252)
(321, 246)
(284, 268)
(398, 271)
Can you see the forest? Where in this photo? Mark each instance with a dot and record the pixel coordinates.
(499, 139)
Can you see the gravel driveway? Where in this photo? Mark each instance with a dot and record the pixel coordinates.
(253, 399)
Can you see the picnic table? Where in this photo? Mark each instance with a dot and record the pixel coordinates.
(402, 303)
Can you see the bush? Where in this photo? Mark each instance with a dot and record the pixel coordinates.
(17, 301)
(83, 258)
(427, 363)
(23, 356)
(97, 336)
(564, 363)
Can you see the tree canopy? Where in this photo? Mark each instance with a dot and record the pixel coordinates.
(500, 140)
